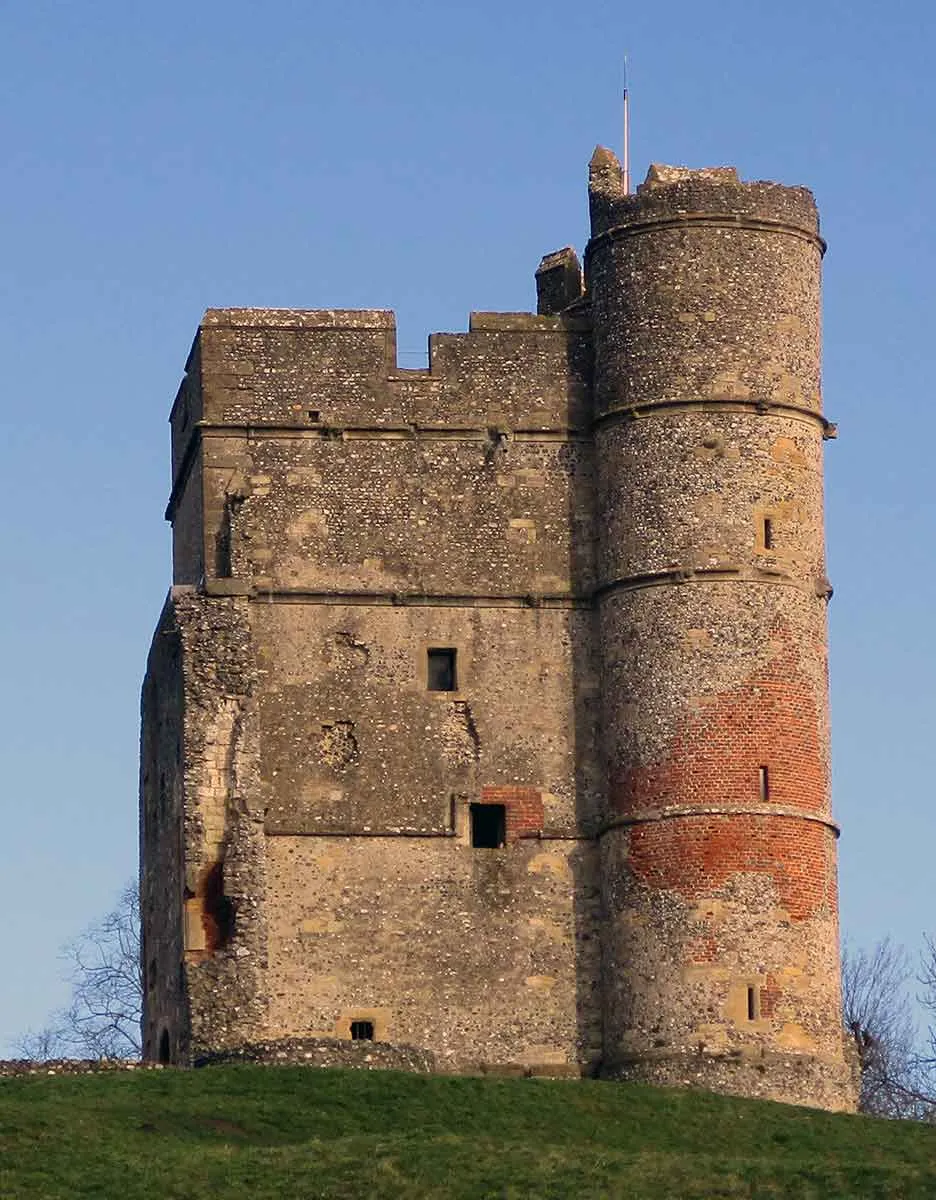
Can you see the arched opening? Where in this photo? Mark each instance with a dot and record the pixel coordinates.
(164, 1053)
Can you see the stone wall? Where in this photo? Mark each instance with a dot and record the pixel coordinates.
(20, 1067)
(478, 955)
(356, 516)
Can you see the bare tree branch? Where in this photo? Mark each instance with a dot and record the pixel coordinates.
(102, 1020)
(895, 1081)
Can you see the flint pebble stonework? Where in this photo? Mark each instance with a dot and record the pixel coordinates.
(485, 726)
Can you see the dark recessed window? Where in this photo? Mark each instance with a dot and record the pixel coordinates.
(488, 826)
(768, 533)
(763, 777)
(753, 1004)
(440, 674)
(314, 414)
(362, 1031)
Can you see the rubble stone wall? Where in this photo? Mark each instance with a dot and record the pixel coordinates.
(718, 857)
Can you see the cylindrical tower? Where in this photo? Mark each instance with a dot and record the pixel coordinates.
(718, 854)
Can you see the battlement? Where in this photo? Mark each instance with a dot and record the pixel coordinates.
(331, 370)
(693, 196)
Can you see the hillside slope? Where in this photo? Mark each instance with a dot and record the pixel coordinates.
(265, 1132)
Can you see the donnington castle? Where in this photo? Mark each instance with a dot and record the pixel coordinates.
(487, 714)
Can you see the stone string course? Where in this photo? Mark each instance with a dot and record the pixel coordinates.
(611, 513)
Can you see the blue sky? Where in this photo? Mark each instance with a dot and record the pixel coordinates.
(160, 159)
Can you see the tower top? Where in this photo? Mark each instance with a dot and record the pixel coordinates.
(692, 193)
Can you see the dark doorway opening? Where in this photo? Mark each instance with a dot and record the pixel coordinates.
(164, 1051)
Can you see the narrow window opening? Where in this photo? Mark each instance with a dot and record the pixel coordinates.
(753, 1004)
(763, 783)
(768, 533)
(440, 674)
(488, 826)
(362, 1031)
(164, 1053)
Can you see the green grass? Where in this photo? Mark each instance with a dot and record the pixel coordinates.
(281, 1132)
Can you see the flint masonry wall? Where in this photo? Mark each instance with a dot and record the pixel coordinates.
(721, 941)
(611, 515)
(354, 517)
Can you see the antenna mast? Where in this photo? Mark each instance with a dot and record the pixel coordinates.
(626, 157)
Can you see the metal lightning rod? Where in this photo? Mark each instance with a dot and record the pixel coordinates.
(626, 157)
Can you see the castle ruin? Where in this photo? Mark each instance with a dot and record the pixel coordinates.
(487, 714)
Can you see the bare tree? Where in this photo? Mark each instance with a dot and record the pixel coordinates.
(895, 1081)
(927, 980)
(102, 1019)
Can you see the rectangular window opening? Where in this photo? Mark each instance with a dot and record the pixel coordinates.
(362, 1031)
(768, 533)
(753, 1003)
(764, 784)
(314, 414)
(440, 674)
(488, 826)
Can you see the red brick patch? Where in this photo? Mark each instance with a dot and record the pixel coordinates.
(523, 808)
(772, 721)
(696, 855)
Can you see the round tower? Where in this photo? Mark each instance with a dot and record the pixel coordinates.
(721, 962)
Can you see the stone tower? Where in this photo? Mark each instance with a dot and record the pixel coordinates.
(718, 858)
(486, 719)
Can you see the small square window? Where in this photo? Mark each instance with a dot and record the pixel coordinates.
(362, 1031)
(488, 826)
(440, 674)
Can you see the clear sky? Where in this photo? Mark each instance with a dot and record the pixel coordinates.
(422, 156)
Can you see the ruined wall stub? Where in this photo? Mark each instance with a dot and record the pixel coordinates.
(453, 716)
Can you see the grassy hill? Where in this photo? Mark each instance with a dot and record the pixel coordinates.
(288, 1132)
